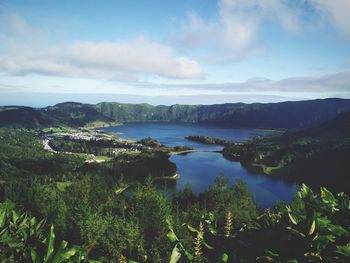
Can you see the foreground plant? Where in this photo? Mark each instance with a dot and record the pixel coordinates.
(22, 239)
(200, 246)
(19, 233)
(62, 254)
(313, 229)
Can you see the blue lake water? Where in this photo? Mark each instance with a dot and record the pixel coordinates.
(199, 169)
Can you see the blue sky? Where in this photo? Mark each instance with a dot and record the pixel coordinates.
(166, 52)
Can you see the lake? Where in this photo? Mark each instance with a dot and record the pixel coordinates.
(199, 169)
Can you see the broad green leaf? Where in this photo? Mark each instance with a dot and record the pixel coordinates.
(192, 229)
(224, 257)
(337, 230)
(2, 218)
(344, 250)
(327, 196)
(211, 217)
(175, 255)
(329, 199)
(40, 224)
(344, 200)
(172, 237)
(57, 257)
(312, 228)
(296, 232)
(271, 254)
(170, 225)
(50, 244)
(14, 216)
(35, 256)
(33, 221)
(292, 219)
(66, 255)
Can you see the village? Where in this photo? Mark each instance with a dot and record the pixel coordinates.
(89, 138)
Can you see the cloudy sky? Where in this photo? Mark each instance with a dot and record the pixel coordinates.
(165, 52)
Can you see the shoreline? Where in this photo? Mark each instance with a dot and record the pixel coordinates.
(192, 151)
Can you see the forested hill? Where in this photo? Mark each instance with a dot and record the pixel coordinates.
(287, 115)
(22, 117)
(334, 129)
(257, 115)
(318, 155)
(74, 114)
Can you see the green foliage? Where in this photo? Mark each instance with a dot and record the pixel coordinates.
(24, 239)
(111, 236)
(199, 250)
(237, 199)
(19, 233)
(151, 209)
(312, 229)
(62, 254)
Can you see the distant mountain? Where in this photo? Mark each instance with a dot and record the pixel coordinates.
(284, 115)
(22, 117)
(73, 114)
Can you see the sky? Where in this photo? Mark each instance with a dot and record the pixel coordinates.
(173, 52)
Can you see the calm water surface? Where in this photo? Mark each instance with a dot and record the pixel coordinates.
(199, 169)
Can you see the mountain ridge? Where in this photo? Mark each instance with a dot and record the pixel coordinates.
(281, 115)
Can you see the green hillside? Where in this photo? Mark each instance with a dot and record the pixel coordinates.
(257, 115)
(307, 155)
(22, 117)
(284, 115)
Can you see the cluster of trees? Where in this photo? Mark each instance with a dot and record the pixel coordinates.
(221, 225)
(96, 147)
(207, 140)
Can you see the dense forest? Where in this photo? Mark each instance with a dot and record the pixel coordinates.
(283, 115)
(257, 115)
(309, 155)
(58, 208)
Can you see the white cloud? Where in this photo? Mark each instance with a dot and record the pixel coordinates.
(235, 32)
(16, 26)
(334, 12)
(234, 35)
(331, 84)
(110, 59)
